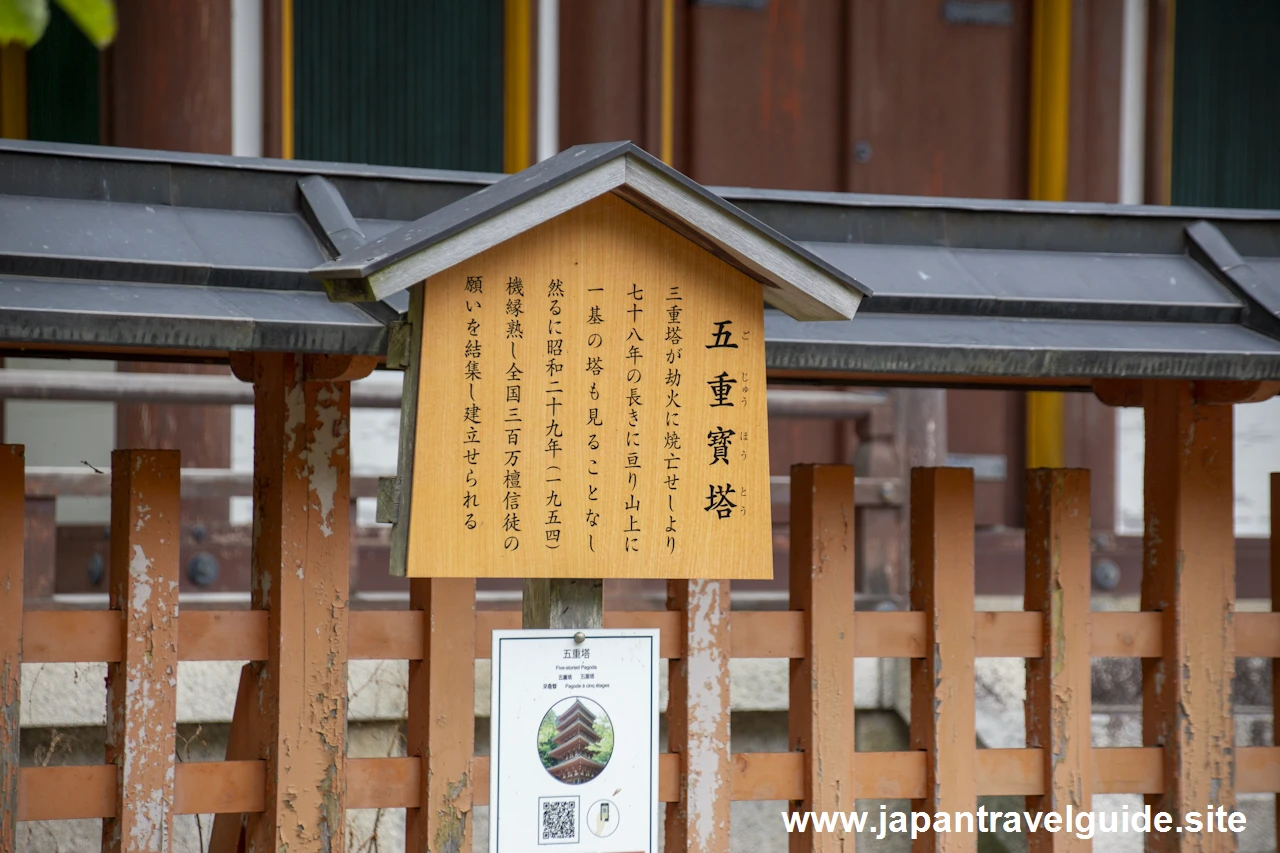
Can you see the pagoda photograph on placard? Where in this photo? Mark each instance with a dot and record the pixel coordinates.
(575, 740)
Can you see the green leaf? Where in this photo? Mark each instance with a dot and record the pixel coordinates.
(23, 21)
(95, 18)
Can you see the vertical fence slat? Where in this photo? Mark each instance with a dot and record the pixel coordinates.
(1189, 575)
(12, 524)
(301, 486)
(698, 718)
(942, 682)
(820, 717)
(142, 689)
(1275, 607)
(1058, 682)
(441, 724)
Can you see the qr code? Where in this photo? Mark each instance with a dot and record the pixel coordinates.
(558, 820)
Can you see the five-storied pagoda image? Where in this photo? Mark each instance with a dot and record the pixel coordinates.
(575, 734)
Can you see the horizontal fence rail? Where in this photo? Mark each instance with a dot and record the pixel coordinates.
(93, 636)
(222, 787)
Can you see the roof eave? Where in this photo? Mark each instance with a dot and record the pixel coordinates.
(795, 280)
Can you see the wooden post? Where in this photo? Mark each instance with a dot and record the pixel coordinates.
(563, 603)
(12, 512)
(698, 718)
(441, 726)
(41, 548)
(1189, 576)
(301, 486)
(1058, 682)
(880, 528)
(921, 417)
(142, 689)
(942, 685)
(1275, 607)
(820, 718)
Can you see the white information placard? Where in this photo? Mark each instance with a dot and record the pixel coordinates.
(574, 744)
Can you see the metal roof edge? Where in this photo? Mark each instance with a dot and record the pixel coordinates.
(300, 168)
(983, 205)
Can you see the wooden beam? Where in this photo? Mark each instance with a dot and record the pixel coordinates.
(942, 682)
(142, 689)
(300, 577)
(12, 523)
(1130, 393)
(698, 717)
(390, 783)
(1058, 681)
(1189, 577)
(820, 718)
(71, 636)
(441, 724)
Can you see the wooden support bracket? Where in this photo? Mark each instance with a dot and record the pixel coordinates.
(1130, 393)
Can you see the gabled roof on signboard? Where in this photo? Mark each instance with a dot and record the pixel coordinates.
(796, 280)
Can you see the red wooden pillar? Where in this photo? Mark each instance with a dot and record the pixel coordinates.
(12, 506)
(1058, 682)
(441, 725)
(698, 718)
(820, 716)
(942, 682)
(301, 536)
(166, 85)
(1189, 577)
(142, 689)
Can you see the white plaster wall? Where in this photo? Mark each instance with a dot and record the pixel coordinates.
(58, 433)
(375, 436)
(1257, 454)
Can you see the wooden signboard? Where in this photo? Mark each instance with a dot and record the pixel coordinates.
(590, 403)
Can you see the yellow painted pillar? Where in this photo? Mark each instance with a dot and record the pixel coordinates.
(286, 79)
(517, 35)
(1047, 181)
